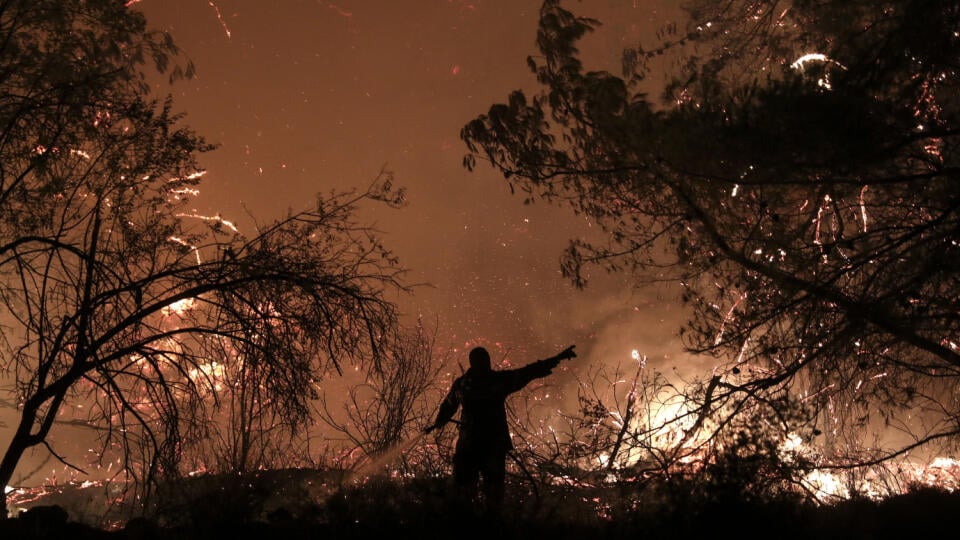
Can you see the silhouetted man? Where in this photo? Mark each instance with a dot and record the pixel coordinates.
(484, 439)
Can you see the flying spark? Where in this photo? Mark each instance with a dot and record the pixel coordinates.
(223, 24)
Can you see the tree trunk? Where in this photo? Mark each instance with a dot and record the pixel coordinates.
(18, 445)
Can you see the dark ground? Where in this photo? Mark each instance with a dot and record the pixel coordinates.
(392, 510)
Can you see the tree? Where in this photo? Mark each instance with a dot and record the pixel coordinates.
(117, 297)
(798, 179)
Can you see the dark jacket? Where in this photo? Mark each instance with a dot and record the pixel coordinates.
(482, 395)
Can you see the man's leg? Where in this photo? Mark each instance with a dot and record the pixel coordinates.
(494, 476)
(466, 473)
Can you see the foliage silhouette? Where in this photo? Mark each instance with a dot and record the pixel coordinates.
(118, 299)
(807, 205)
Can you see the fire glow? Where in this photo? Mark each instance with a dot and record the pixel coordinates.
(672, 415)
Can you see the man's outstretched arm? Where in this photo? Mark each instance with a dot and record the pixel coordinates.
(540, 368)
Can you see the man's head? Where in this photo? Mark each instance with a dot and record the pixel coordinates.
(479, 359)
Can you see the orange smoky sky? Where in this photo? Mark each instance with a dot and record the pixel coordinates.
(308, 96)
(305, 96)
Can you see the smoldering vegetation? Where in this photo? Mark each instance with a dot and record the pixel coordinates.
(301, 503)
